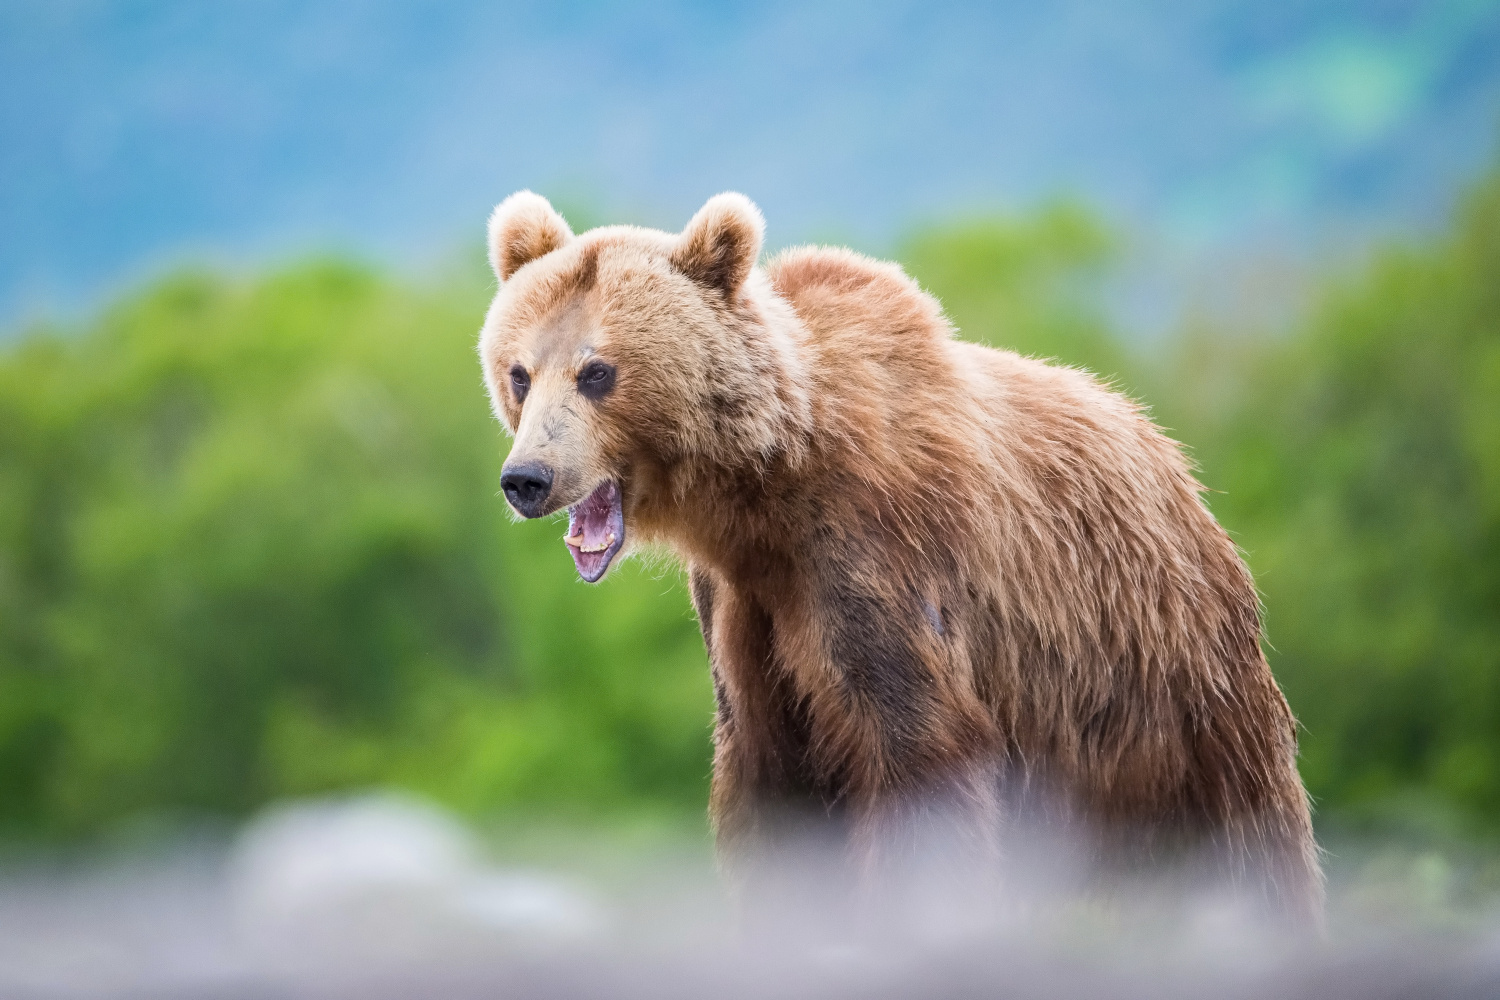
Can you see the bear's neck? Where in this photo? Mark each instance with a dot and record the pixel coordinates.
(737, 500)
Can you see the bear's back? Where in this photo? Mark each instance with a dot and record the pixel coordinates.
(879, 342)
(839, 294)
(862, 313)
(1111, 629)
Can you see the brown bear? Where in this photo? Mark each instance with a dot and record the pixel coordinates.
(925, 570)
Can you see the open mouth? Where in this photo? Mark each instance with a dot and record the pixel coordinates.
(596, 530)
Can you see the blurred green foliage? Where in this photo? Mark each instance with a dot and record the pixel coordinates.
(1359, 464)
(251, 543)
(1032, 284)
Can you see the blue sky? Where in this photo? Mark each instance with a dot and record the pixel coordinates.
(133, 135)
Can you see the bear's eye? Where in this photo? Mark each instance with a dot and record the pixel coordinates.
(596, 379)
(520, 382)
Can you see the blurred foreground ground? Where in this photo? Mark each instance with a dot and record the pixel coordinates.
(382, 896)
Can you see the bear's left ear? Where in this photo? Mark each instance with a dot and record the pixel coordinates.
(524, 227)
(720, 245)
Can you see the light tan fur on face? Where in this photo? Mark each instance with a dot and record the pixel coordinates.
(625, 295)
(922, 567)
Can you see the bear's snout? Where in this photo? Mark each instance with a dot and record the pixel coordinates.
(527, 486)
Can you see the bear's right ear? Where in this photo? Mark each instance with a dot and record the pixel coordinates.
(524, 227)
(720, 245)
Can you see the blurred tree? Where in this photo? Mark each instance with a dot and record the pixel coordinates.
(251, 545)
(1032, 283)
(1360, 468)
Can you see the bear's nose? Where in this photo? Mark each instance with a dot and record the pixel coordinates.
(526, 487)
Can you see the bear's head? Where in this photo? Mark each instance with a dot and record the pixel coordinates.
(629, 362)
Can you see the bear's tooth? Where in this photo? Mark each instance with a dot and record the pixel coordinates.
(578, 542)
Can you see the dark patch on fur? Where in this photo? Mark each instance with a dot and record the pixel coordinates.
(724, 710)
(790, 780)
(872, 644)
(1103, 732)
(725, 410)
(729, 407)
(587, 272)
(804, 783)
(702, 589)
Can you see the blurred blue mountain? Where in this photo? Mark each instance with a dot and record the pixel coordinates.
(135, 132)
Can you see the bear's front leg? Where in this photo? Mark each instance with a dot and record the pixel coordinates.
(767, 789)
(847, 721)
(895, 712)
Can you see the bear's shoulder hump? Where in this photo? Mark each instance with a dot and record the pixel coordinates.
(824, 283)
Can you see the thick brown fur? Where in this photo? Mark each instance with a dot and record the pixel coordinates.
(926, 571)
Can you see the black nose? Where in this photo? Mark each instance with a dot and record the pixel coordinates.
(526, 487)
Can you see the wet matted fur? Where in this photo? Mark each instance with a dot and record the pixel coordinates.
(934, 579)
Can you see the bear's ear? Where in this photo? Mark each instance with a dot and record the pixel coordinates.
(524, 227)
(720, 245)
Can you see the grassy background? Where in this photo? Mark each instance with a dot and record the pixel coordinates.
(251, 544)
